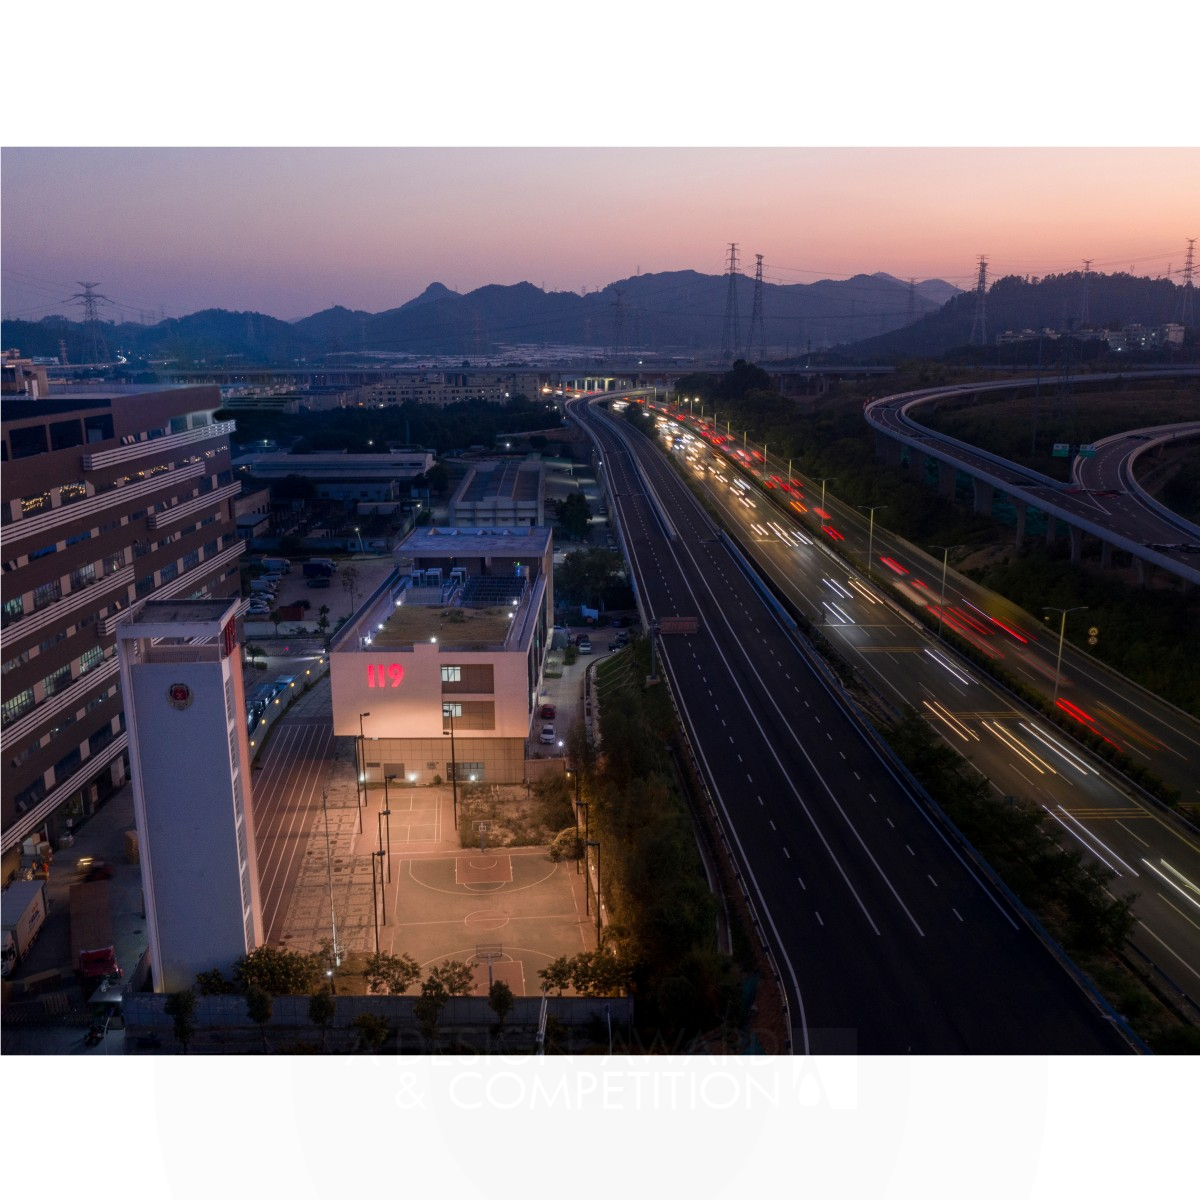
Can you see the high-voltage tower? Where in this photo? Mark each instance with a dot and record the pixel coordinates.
(618, 345)
(756, 316)
(91, 320)
(1084, 319)
(979, 325)
(1185, 301)
(731, 336)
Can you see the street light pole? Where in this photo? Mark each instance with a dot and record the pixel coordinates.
(382, 889)
(375, 902)
(1062, 630)
(337, 958)
(597, 845)
(870, 508)
(575, 772)
(387, 820)
(586, 842)
(448, 711)
(362, 769)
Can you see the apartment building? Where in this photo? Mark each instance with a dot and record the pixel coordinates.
(109, 495)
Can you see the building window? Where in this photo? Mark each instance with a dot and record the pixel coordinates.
(46, 594)
(57, 680)
(15, 707)
(144, 586)
(114, 562)
(67, 764)
(82, 576)
(469, 772)
(28, 441)
(65, 434)
(90, 658)
(13, 609)
(99, 428)
(451, 674)
(168, 572)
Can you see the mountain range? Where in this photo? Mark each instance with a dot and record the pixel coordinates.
(680, 314)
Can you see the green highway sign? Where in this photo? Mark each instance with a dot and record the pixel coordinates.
(1061, 450)
(1087, 451)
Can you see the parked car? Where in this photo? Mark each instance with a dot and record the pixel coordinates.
(584, 646)
(320, 581)
(547, 737)
(547, 712)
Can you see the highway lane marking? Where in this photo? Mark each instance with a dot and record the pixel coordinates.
(760, 800)
(818, 916)
(1168, 949)
(890, 822)
(772, 824)
(801, 883)
(1180, 911)
(910, 850)
(873, 800)
(932, 880)
(858, 776)
(785, 852)
(957, 914)
(1131, 833)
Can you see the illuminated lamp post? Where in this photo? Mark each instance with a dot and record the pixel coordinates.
(1062, 629)
(448, 711)
(872, 509)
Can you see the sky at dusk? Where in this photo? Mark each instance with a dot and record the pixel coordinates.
(557, 154)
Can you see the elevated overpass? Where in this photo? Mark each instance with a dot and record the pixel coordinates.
(1114, 510)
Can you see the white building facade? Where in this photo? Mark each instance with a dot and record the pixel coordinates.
(181, 677)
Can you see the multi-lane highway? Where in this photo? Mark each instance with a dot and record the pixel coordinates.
(888, 938)
(1151, 855)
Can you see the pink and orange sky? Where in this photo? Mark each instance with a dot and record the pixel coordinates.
(291, 231)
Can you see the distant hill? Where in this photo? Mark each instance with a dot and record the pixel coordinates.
(1015, 303)
(679, 312)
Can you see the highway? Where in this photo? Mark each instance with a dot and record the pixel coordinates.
(888, 938)
(1019, 754)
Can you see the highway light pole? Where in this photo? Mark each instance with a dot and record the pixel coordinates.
(872, 509)
(823, 482)
(945, 563)
(1062, 629)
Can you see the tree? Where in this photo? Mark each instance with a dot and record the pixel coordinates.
(322, 1008)
(182, 1007)
(501, 1000)
(349, 574)
(253, 653)
(323, 620)
(259, 1009)
(557, 975)
(574, 513)
(438, 479)
(454, 976)
(427, 1007)
(213, 983)
(373, 1030)
(391, 973)
(279, 972)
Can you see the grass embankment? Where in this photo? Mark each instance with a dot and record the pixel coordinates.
(662, 918)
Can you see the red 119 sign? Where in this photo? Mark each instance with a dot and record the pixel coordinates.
(380, 675)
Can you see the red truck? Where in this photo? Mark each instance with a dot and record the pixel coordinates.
(92, 948)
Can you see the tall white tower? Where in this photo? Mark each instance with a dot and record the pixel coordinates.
(181, 676)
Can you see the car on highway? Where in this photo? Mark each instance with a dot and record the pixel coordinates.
(833, 533)
(547, 736)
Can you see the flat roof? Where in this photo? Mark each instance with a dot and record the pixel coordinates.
(508, 480)
(435, 541)
(460, 628)
(182, 612)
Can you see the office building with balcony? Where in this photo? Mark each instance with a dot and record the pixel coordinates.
(181, 678)
(110, 495)
(440, 669)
